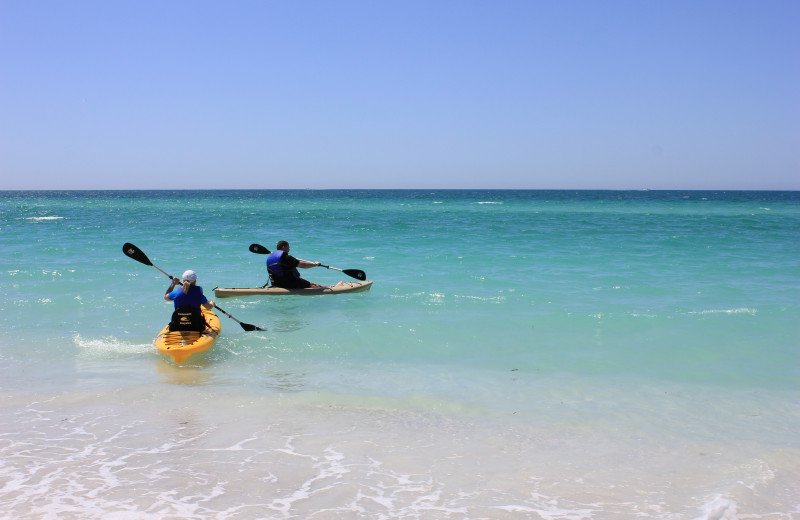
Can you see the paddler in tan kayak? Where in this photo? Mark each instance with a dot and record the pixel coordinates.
(282, 268)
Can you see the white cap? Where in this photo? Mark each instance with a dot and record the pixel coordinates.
(189, 276)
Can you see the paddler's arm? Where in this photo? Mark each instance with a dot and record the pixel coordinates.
(307, 265)
(175, 282)
(290, 261)
(209, 304)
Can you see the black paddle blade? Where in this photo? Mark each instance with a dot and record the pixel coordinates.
(250, 328)
(134, 252)
(358, 274)
(246, 326)
(259, 249)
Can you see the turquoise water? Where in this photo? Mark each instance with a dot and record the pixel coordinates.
(599, 317)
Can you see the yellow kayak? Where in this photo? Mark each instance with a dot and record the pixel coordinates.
(182, 344)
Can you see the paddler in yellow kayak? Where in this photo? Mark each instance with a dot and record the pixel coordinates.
(188, 300)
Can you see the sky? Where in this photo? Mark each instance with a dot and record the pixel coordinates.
(485, 94)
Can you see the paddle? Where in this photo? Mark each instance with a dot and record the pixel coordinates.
(358, 274)
(137, 254)
(246, 326)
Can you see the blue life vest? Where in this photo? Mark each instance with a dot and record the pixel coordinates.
(195, 298)
(276, 268)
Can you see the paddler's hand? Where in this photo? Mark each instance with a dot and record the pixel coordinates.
(172, 285)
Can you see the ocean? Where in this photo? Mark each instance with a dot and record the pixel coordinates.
(521, 354)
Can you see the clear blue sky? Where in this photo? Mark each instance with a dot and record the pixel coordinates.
(400, 94)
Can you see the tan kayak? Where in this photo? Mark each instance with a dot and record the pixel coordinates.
(339, 288)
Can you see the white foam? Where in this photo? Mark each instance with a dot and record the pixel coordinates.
(743, 310)
(763, 475)
(110, 344)
(487, 299)
(549, 510)
(719, 508)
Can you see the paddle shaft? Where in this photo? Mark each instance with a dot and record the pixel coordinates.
(137, 254)
(165, 274)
